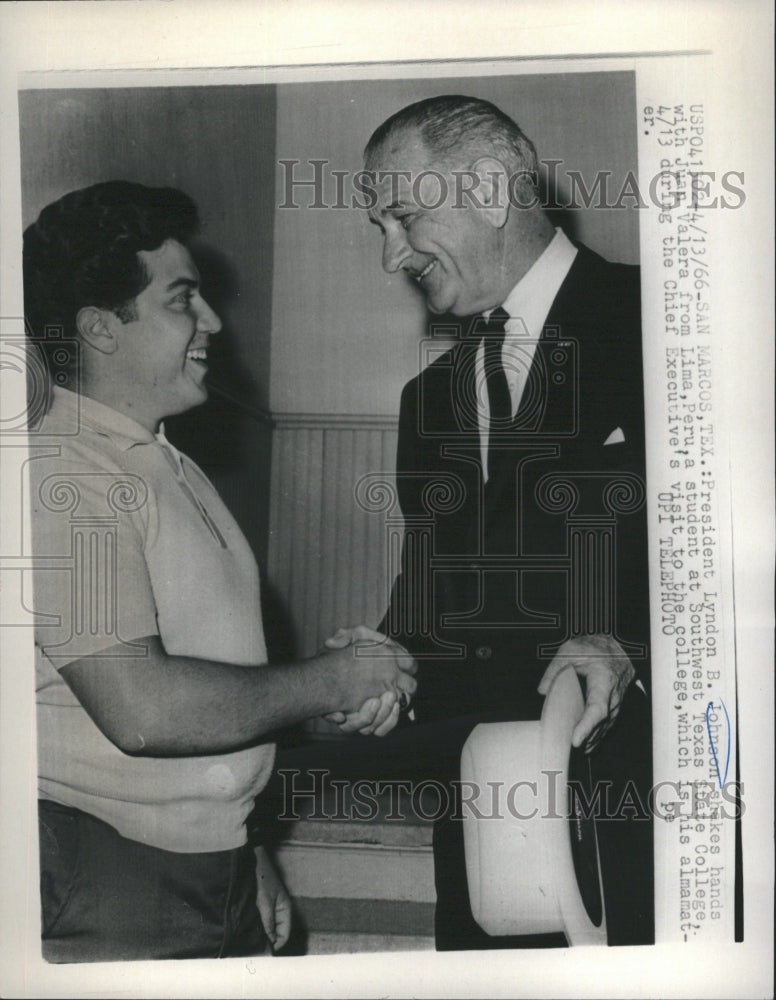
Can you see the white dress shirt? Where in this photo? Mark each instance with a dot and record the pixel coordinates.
(528, 305)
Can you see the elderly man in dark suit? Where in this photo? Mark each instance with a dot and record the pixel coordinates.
(520, 474)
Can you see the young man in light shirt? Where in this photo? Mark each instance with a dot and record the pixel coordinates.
(156, 703)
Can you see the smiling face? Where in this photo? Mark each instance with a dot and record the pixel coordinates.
(452, 253)
(160, 359)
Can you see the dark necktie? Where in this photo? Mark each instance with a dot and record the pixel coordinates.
(499, 399)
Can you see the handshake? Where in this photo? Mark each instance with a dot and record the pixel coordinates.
(377, 680)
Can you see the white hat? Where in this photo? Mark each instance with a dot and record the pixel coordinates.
(531, 869)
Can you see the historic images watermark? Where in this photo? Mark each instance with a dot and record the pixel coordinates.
(314, 183)
(315, 794)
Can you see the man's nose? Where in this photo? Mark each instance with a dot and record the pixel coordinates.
(396, 250)
(208, 320)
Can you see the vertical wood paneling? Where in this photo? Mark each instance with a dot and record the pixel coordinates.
(327, 557)
(328, 520)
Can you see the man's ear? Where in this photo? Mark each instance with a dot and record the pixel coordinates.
(96, 329)
(492, 196)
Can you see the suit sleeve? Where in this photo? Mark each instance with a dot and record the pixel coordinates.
(402, 607)
(632, 555)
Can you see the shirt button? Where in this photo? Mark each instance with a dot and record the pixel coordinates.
(483, 652)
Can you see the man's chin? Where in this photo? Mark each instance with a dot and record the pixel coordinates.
(447, 310)
(192, 400)
(202, 397)
(445, 305)
(438, 305)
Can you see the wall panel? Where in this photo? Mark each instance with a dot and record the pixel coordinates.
(327, 554)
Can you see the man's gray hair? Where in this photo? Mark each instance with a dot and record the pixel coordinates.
(458, 131)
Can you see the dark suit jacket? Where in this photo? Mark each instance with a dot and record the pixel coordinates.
(494, 577)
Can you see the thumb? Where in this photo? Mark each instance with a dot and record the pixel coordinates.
(362, 633)
(267, 914)
(341, 638)
(557, 666)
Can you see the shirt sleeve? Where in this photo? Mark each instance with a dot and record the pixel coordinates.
(91, 586)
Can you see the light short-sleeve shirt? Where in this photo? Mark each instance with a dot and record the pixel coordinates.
(130, 539)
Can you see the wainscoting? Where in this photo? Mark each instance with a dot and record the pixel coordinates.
(331, 514)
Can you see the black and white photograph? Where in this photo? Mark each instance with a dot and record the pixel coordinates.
(376, 570)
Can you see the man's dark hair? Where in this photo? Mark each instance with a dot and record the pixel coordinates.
(458, 130)
(82, 251)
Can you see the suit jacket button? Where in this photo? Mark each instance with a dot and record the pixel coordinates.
(483, 652)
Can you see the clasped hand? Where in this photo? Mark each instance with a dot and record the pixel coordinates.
(379, 714)
(598, 658)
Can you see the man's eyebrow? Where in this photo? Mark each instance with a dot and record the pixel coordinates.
(395, 206)
(182, 283)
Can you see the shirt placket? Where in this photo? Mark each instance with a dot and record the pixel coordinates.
(175, 459)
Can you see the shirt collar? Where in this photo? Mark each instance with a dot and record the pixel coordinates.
(74, 409)
(529, 302)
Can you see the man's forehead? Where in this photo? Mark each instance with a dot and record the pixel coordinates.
(394, 188)
(404, 147)
(401, 167)
(169, 263)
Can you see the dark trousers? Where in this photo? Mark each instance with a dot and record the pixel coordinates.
(107, 898)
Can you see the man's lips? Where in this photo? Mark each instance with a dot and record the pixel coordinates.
(197, 354)
(420, 275)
